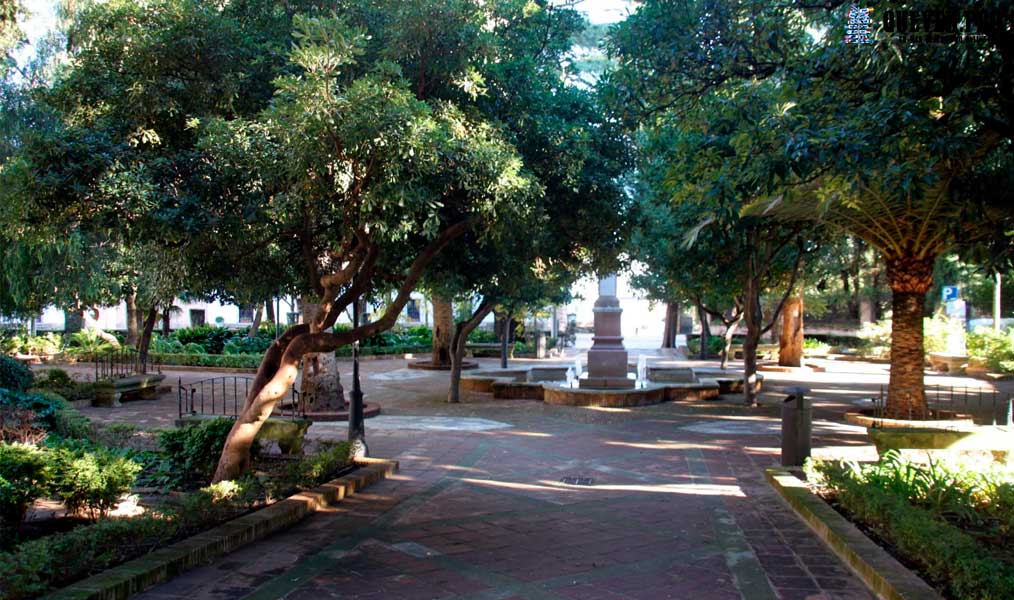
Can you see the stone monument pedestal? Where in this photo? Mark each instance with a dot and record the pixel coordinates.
(607, 358)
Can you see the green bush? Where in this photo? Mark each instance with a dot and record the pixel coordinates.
(227, 361)
(190, 453)
(931, 514)
(163, 345)
(91, 479)
(25, 476)
(44, 405)
(59, 382)
(210, 337)
(87, 341)
(992, 347)
(41, 565)
(247, 345)
(14, 375)
(321, 467)
(194, 348)
(483, 336)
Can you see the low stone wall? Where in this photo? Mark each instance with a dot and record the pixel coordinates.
(614, 398)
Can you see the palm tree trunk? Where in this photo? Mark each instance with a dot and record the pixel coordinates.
(910, 279)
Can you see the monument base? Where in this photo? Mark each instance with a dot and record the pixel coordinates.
(607, 383)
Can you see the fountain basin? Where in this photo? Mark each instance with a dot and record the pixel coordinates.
(547, 384)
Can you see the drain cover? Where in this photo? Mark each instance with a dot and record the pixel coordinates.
(578, 481)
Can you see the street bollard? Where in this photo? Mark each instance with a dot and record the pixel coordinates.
(797, 419)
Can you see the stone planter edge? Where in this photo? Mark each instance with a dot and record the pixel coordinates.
(161, 565)
(882, 573)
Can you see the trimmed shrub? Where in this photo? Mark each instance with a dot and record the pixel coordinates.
(911, 506)
(45, 405)
(194, 348)
(321, 467)
(14, 375)
(247, 345)
(91, 479)
(191, 453)
(25, 476)
(41, 565)
(228, 361)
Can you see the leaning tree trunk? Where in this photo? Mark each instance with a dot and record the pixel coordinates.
(730, 331)
(256, 324)
(165, 321)
(790, 344)
(443, 331)
(458, 344)
(910, 278)
(145, 342)
(132, 329)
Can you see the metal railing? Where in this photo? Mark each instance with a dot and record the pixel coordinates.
(986, 406)
(225, 396)
(122, 363)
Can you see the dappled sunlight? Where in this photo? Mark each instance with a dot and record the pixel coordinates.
(691, 489)
(462, 469)
(606, 409)
(525, 433)
(664, 445)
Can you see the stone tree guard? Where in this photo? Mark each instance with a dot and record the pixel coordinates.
(607, 358)
(790, 346)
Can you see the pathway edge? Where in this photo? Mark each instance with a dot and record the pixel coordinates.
(141, 573)
(882, 573)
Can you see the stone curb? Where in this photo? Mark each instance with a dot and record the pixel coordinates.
(882, 573)
(141, 573)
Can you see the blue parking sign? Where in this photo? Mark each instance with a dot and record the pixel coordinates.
(951, 292)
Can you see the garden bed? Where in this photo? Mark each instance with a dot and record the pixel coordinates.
(952, 522)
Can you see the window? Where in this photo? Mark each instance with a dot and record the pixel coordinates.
(293, 317)
(246, 314)
(196, 317)
(412, 309)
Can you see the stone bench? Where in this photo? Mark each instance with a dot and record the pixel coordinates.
(483, 349)
(141, 386)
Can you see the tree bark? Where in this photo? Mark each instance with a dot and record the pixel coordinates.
(705, 331)
(443, 331)
(256, 325)
(166, 329)
(731, 327)
(145, 342)
(505, 335)
(790, 344)
(672, 323)
(269, 311)
(910, 279)
(461, 332)
(279, 367)
(132, 330)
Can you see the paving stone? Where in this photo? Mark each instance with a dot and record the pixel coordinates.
(675, 510)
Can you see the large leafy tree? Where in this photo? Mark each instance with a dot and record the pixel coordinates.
(880, 141)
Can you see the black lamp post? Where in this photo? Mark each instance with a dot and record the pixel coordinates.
(357, 427)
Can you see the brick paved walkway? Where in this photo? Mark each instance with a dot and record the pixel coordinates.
(671, 512)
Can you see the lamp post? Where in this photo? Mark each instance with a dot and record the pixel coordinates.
(357, 427)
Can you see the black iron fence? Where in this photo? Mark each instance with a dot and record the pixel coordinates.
(986, 406)
(226, 396)
(122, 363)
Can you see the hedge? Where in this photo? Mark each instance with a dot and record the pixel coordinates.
(945, 553)
(252, 361)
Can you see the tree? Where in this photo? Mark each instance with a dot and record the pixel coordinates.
(877, 141)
